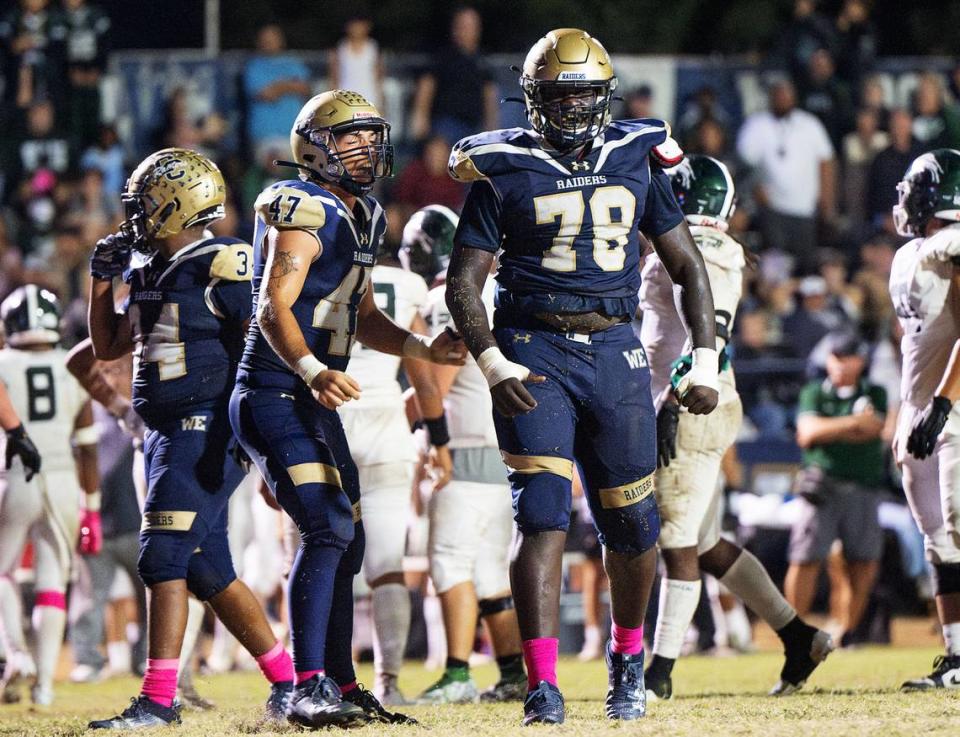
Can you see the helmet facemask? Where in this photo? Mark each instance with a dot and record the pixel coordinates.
(915, 205)
(370, 161)
(568, 114)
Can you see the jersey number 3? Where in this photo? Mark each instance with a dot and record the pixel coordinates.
(611, 210)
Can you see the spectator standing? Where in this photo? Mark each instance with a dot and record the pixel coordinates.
(638, 103)
(87, 27)
(859, 150)
(32, 44)
(839, 425)
(873, 97)
(425, 180)
(857, 42)
(936, 124)
(808, 31)
(356, 64)
(457, 96)
(793, 159)
(887, 170)
(106, 155)
(276, 86)
(827, 97)
(815, 315)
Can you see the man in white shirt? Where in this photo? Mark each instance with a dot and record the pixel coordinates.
(793, 160)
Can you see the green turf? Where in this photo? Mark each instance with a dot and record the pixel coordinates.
(854, 693)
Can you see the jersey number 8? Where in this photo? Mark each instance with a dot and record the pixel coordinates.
(611, 210)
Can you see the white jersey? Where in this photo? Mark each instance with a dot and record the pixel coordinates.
(47, 399)
(662, 331)
(400, 294)
(468, 405)
(920, 279)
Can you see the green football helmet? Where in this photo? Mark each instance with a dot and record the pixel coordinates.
(31, 316)
(427, 241)
(929, 189)
(704, 189)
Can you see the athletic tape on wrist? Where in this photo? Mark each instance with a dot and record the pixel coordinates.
(308, 367)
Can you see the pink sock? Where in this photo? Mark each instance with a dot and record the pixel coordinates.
(540, 655)
(306, 675)
(160, 680)
(55, 599)
(626, 640)
(347, 688)
(275, 664)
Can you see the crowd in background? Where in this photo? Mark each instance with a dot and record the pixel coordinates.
(816, 172)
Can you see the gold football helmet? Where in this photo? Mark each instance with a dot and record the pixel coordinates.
(313, 141)
(567, 84)
(171, 190)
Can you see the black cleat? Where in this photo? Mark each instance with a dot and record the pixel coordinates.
(317, 702)
(278, 701)
(946, 674)
(626, 694)
(802, 659)
(141, 714)
(543, 705)
(373, 708)
(506, 689)
(658, 689)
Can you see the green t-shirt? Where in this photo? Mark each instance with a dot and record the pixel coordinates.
(860, 462)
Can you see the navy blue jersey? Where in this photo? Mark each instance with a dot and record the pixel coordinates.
(187, 315)
(568, 227)
(326, 309)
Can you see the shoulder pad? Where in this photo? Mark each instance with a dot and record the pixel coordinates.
(291, 205)
(233, 262)
(484, 154)
(719, 248)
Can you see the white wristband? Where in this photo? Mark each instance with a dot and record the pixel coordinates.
(92, 502)
(308, 367)
(496, 367)
(417, 346)
(703, 371)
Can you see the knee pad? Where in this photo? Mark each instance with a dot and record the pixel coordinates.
(630, 529)
(210, 569)
(541, 500)
(495, 606)
(947, 577)
(162, 558)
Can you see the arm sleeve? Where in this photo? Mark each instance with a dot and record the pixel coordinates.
(661, 213)
(807, 403)
(480, 220)
(233, 299)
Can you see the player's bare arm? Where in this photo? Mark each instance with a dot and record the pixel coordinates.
(430, 383)
(376, 330)
(291, 252)
(110, 333)
(83, 364)
(682, 259)
(468, 271)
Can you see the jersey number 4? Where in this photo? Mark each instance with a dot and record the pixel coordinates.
(337, 312)
(162, 344)
(611, 210)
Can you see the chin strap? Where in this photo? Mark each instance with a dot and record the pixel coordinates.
(294, 165)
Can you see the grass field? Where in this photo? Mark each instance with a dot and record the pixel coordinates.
(853, 693)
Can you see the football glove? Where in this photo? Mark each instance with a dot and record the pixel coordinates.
(927, 428)
(668, 420)
(20, 445)
(682, 366)
(110, 258)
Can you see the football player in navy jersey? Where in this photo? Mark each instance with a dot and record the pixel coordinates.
(566, 202)
(315, 244)
(188, 306)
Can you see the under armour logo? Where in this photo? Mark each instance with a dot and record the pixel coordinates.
(522, 338)
(364, 239)
(580, 166)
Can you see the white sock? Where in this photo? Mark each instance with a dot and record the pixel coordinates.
(951, 638)
(591, 635)
(195, 612)
(749, 580)
(391, 625)
(11, 617)
(48, 623)
(678, 602)
(436, 632)
(119, 656)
